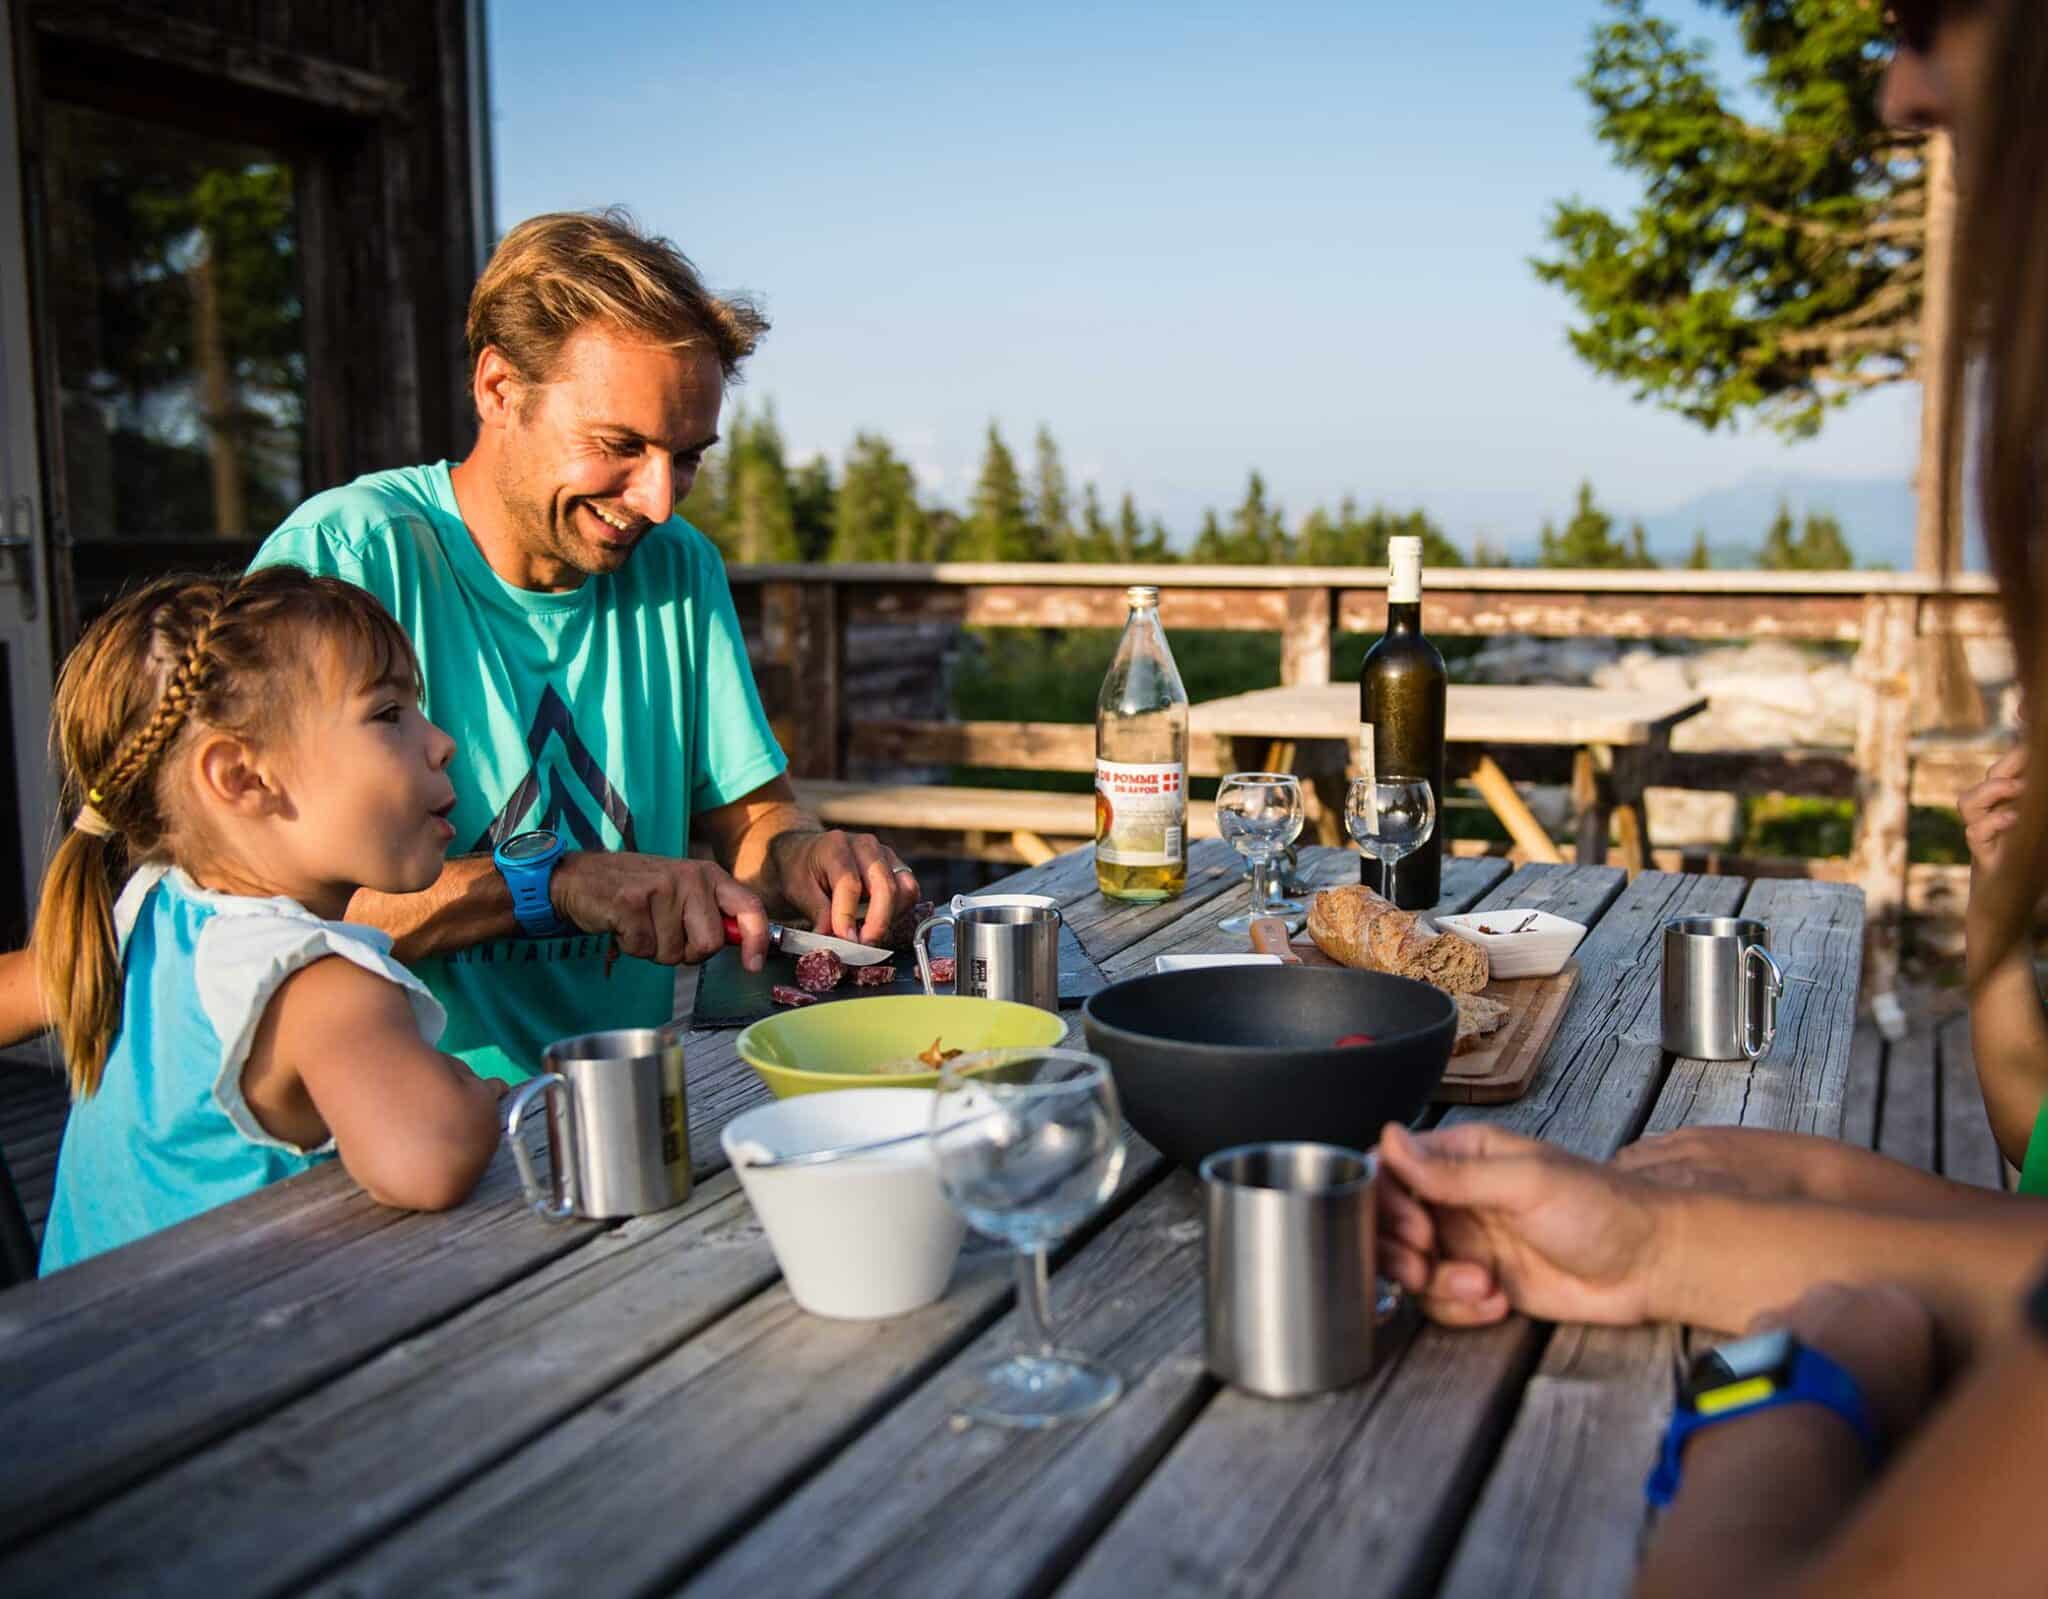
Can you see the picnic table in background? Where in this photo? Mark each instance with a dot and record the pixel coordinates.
(1615, 736)
(306, 1392)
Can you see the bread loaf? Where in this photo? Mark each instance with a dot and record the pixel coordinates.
(1360, 928)
(1478, 1018)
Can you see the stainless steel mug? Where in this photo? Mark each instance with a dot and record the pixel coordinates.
(1290, 1293)
(1721, 988)
(618, 1125)
(1005, 946)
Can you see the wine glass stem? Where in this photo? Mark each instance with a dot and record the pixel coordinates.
(1032, 1292)
(1262, 885)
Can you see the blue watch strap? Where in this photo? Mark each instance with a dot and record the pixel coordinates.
(1816, 1380)
(529, 882)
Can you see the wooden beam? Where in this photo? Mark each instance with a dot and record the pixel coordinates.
(1305, 644)
(1884, 667)
(1515, 815)
(149, 34)
(1017, 746)
(1589, 613)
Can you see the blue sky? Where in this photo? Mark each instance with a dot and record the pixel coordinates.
(1193, 239)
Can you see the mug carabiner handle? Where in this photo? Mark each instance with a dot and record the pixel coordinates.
(920, 945)
(562, 1157)
(1774, 985)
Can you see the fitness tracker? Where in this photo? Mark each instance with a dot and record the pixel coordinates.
(1753, 1374)
(527, 863)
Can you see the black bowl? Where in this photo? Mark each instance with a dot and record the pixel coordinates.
(1227, 1055)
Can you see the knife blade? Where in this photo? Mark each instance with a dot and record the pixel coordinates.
(795, 941)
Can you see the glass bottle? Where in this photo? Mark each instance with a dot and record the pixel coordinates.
(1141, 763)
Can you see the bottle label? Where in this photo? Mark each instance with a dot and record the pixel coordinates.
(1368, 751)
(1140, 811)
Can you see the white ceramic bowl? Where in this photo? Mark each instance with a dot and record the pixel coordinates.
(1539, 952)
(861, 1238)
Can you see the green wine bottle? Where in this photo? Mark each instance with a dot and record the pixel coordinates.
(1401, 692)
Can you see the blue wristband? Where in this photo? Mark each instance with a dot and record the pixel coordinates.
(1815, 1380)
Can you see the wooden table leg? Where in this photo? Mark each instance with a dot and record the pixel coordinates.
(1590, 798)
(1631, 767)
(1502, 798)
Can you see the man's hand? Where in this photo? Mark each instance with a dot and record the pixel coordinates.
(825, 876)
(659, 909)
(1475, 1222)
(1878, 1333)
(1991, 807)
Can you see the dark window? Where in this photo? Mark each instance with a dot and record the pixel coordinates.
(179, 330)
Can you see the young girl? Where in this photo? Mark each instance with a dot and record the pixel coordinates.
(243, 756)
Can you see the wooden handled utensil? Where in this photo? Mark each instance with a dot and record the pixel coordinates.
(1270, 937)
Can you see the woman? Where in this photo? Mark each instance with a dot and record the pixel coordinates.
(1479, 1222)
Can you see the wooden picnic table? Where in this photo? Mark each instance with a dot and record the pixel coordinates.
(304, 1392)
(1615, 736)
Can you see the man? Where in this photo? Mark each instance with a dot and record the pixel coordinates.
(578, 641)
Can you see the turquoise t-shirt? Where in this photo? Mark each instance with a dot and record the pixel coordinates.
(169, 1135)
(611, 714)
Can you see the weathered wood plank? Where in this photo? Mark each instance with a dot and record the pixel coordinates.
(1370, 1485)
(712, 1436)
(1021, 746)
(1969, 1152)
(1909, 1119)
(1606, 615)
(1884, 670)
(924, 1504)
(425, 1415)
(1562, 1509)
(1863, 1087)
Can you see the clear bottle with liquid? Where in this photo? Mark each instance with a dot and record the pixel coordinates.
(1141, 763)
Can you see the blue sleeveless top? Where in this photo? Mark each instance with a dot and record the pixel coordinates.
(168, 1134)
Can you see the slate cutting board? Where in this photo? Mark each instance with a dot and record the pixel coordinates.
(730, 996)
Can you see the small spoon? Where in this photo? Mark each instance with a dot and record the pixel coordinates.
(820, 1157)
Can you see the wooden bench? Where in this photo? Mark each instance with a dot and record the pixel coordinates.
(1014, 824)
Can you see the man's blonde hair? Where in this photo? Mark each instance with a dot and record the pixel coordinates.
(556, 272)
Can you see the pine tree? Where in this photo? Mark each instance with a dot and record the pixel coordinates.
(1097, 540)
(875, 516)
(1588, 540)
(1701, 560)
(1210, 548)
(760, 524)
(998, 526)
(1818, 546)
(811, 497)
(1774, 267)
(1051, 505)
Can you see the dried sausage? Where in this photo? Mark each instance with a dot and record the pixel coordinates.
(819, 971)
(784, 995)
(874, 976)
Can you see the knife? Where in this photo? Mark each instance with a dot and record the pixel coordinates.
(793, 941)
(1270, 937)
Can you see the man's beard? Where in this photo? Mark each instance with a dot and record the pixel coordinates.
(533, 523)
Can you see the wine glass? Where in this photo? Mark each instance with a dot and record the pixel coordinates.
(1029, 1145)
(1260, 814)
(1389, 817)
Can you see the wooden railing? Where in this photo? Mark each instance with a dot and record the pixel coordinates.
(801, 618)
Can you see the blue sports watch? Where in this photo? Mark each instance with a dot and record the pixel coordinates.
(527, 863)
(1753, 1374)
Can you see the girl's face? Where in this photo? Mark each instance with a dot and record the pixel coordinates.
(365, 779)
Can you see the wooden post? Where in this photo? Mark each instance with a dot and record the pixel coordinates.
(1305, 641)
(1884, 720)
(818, 672)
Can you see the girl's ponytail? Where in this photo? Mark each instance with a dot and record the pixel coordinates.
(76, 961)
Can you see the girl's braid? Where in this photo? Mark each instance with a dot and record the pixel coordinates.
(137, 758)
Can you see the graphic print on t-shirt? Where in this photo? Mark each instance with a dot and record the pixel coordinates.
(564, 776)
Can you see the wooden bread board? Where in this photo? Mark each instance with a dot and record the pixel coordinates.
(1505, 1063)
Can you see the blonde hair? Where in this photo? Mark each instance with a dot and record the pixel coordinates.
(2000, 316)
(555, 273)
(179, 654)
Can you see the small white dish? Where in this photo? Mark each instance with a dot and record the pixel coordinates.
(1194, 963)
(858, 1238)
(1539, 951)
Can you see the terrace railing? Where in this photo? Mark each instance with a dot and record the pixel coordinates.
(801, 619)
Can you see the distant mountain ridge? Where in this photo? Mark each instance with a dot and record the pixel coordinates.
(1877, 516)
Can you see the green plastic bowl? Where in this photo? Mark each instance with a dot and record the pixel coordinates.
(850, 1043)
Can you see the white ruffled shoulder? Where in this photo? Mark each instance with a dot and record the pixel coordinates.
(246, 951)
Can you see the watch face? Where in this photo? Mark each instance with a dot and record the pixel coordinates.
(529, 846)
(1766, 1355)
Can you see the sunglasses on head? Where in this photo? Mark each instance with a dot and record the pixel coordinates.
(1914, 23)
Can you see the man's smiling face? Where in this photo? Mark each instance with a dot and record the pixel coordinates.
(604, 450)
